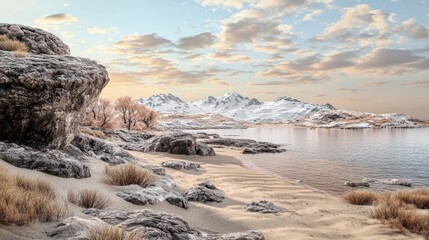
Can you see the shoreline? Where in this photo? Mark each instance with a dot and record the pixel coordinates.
(308, 212)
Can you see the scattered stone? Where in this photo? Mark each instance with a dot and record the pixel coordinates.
(159, 225)
(263, 206)
(400, 182)
(357, 184)
(203, 194)
(298, 181)
(43, 98)
(208, 185)
(179, 165)
(174, 143)
(51, 161)
(249, 146)
(203, 135)
(101, 149)
(152, 195)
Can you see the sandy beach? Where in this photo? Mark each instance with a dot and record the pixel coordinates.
(308, 214)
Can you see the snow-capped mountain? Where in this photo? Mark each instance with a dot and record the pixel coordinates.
(237, 107)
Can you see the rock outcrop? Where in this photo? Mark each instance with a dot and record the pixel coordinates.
(101, 149)
(174, 143)
(37, 40)
(52, 161)
(263, 206)
(249, 146)
(179, 165)
(152, 225)
(44, 95)
(204, 193)
(152, 195)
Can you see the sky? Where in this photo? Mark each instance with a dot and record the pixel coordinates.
(358, 55)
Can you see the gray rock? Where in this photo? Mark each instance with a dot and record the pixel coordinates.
(164, 226)
(179, 165)
(203, 135)
(208, 185)
(75, 228)
(128, 137)
(203, 194)
(101, 149)
(263, 206)
(357, 184)
(37, 40)
(174, 143)
(54, 162)
(43, 98)
(249, 146)
(152, 195)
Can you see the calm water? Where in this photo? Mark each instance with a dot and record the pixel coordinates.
(326, 158)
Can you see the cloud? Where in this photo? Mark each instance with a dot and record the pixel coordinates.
(360, 25)
(97, 30)
(338, 60)
(320, 96)
(312, 14)
(59, 18)
(399, 60)
(228, 57)
(225, 3)
(289, 6)
(418, 83)
(411, 28)
(375, 83)
(350, 90)
(139, 44)
(201, 40)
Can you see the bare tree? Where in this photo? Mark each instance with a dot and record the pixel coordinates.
(128, 111)
(101, 115)
(150, 119)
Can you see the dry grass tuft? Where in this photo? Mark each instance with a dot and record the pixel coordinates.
(129, 174)
(111, 233)
(360, 197)
(392, 210)
(417, 197)
(7, 44)
(89, 199)
(23, 200)
(19, 54)
(93, 132)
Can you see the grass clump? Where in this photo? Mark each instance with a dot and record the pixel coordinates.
(417, 197)
(360, 197)
(24, 200)
(19, 48)
(111, 233)
(89, 199)
(390, 209)
(129, 174)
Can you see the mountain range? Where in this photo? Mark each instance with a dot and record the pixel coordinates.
(235, 106)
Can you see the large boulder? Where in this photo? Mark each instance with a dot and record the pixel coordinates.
(174, 143)
(153, 225)
(37, 40)
(55, 162)
(43, 97)
(249, 146)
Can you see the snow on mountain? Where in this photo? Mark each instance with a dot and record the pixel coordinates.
(168, 104)
(237, 107)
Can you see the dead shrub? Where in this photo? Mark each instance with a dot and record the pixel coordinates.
(417, 197)
(390, 209)
(7, 44)
(93, 132)
(89, 199)
(23, 200)
(129, 174)
(112, 233)
(360, 197)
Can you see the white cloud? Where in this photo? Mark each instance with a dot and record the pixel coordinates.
(97, 30)
(312, 14)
